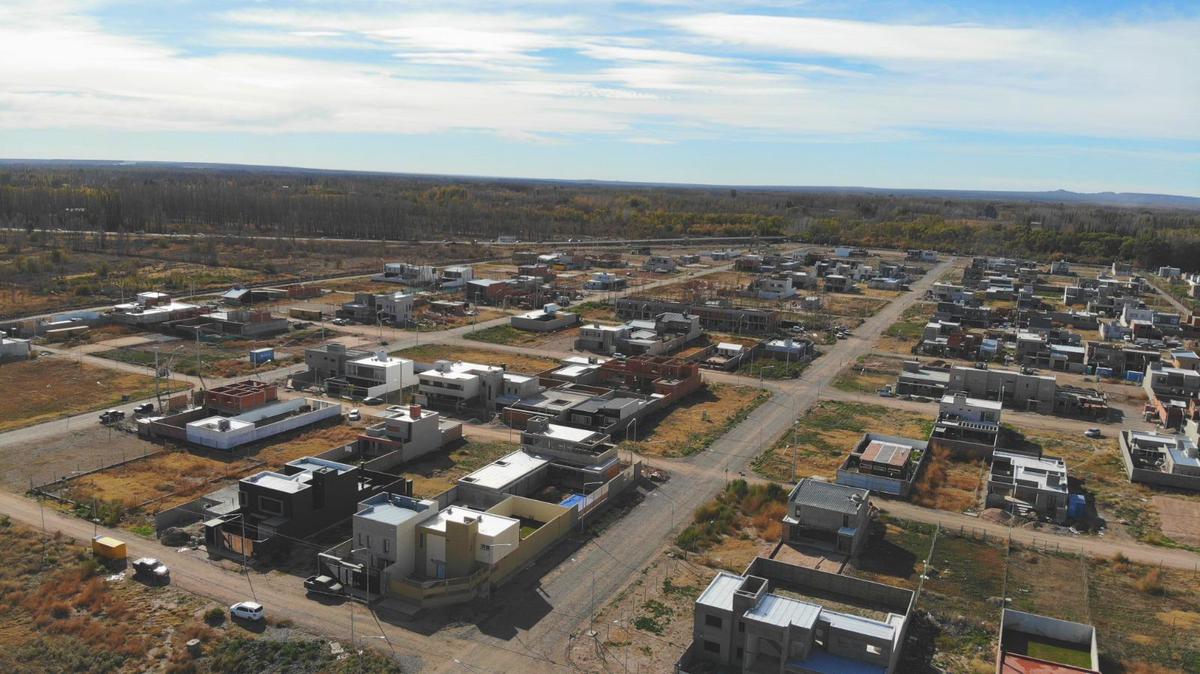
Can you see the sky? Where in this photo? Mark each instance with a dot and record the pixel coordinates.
(1087, 95)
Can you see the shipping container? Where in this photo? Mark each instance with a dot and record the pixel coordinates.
(107, 547)
(263, 355)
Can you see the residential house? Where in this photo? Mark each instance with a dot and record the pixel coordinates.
(328, 361)
(713, 316)
(659, 264)
(883, 464)
(1028, 483)
(455, 277)
(12, 348)
(276, 507)
(1167, 460)
(1015, 389)
(405, 435)
(773, 287)
(774, 618)
(967, 426)
(375, 376)
(547, 319)
(605, 281)
(828, 515)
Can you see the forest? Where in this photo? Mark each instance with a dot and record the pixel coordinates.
(295, 203)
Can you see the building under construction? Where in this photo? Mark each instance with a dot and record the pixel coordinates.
(716, 317)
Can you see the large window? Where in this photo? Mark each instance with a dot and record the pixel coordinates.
(713, 621)
(712, 647)
(270, 505)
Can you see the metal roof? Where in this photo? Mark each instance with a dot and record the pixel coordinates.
(783, 611)
(829, 496)
(719, 593)
(886, 452)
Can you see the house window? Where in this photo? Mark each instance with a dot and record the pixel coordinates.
(741, 626)
(385, 545)
(713, 621)
(712, 647)
(739, 652)
(270, 505)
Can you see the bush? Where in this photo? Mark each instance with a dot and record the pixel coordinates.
(1151, 583)
(214, 616)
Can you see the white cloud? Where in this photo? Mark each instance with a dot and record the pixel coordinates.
(708, 75)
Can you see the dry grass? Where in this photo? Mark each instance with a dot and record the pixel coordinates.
(825, 435)
(174, 477)
(949, 483)
(696, 421)
(427, 353)
(437, 472)
(53, 387)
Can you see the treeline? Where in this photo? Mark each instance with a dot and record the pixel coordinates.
(1150, 245)
(283, 203)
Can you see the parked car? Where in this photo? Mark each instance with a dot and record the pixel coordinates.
(354, 415)
(150, 567)
(111, 416)
(885, 392)
(1093, 433)
(247, 610)
(322, 584)
(373, 400)
(144, 408)
(340, 321)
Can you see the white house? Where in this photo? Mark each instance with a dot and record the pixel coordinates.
(396, 308)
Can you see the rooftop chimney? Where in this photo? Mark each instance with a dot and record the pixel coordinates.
(414, 411)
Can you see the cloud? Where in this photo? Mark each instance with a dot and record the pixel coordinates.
(554, 72)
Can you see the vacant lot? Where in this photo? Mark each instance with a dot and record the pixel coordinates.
(647, 625)
(903, 335)
(824, 436)
(171, 477)
(506, 334)
(52, 387)
(695, 422)
(437, 472)
(1145, 617)
(85, 447)
(858, 306)
(952, 483)
(428, 353)
(62, 612)
(964, 577)
(869, 373)
(224, 358)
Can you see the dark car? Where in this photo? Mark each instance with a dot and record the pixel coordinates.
(324, 584)
(144, 408)
(151, 568)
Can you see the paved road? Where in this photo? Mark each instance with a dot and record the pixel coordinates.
(608, 562)
(528, 624)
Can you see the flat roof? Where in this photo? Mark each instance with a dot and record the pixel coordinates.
(948, 399)
(395, 509)
(719, 593)
(505, 470)
(489, 524)
(568, 433)
(277, 482)
(773, 609)
(890, 453)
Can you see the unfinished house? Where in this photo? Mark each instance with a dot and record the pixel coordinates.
(1037, 644)
(967, 426)
(718, 316)
(1160, 459)
(883, 464)
(918, 380)
(787, 619)
(1017, 390)
(1027, 484)
(829, 516)
(327, 361)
